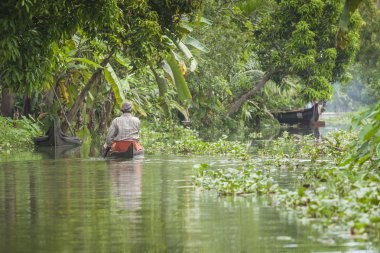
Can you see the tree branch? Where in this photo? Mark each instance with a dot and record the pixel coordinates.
(235, 106)
(83, 94)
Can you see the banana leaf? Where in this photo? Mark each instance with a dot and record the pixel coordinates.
(180, 108)
(167, 69)
(113, 80)
(87, 61)
(188, 55)
(182, 89)
(188, 40)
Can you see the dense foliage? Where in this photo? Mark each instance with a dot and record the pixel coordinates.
(16, 135)
(168, 138)
(81, 43)
(366, 150)
(93, 57)
(298, 39)
(29, 28)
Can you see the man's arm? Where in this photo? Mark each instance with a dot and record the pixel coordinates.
(112, 132)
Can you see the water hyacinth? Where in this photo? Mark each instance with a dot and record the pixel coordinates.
(327, 190)
(337, 196)
(241, 180)
(196, 146)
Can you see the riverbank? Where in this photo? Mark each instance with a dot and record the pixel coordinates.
(16, 135)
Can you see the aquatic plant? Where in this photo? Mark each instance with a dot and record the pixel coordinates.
(170, 138)
(366, 150)
(334, 193)
(241, 180)
(333, 146)
(196, 146)
(337, 196)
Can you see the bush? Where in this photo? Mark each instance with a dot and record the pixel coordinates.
(18, 134)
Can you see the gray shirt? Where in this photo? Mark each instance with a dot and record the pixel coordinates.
(125, 127)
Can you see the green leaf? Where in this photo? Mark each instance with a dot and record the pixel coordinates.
(122, 61)
(185, 50)
(188, 40)
(181, 109)
(186, 26)
(367, 132)
(349, 7)
(87, 61)
(364, 158)
(193, 65)
(139, 109)
(229, 92)
(113, 80)
(167, 69)
(205, 21)
(180, 82)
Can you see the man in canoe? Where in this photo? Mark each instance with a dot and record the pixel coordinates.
(124, 131)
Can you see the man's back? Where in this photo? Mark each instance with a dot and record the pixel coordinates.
(125, 127)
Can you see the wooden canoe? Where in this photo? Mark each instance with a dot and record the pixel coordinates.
(56, 138)
(126, 149)
(300, 116)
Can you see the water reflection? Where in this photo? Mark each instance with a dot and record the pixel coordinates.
(301, 130)
(149, 205)
(59, 152)
(126, 179)
(328, 122)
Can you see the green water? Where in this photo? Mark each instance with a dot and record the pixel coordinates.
(143, 205)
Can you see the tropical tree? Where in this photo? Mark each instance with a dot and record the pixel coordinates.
(218, 77)
(139, 36)
(179, 62)
(29, 28)
(298, 40)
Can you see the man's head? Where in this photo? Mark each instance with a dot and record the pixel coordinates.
(126, 107)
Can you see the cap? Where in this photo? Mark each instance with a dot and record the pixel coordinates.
(126, 106)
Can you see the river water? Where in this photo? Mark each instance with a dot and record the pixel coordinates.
(143, 205)
(63, 201)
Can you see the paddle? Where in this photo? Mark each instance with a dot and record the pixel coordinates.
(104, 152)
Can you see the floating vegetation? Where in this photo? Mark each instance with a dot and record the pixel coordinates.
(337, 196)
(241, 180)
(329, 186)
(172, 139)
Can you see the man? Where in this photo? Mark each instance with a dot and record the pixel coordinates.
(125, 127)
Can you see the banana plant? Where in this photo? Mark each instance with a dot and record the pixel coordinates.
(116, 84)
(174, 67)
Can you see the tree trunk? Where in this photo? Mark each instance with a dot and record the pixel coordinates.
(106, 112)
(79, 100)
(91, 123)
(235, 106)
(7, 103)
(27, 108)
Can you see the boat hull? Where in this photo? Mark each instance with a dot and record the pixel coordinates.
(126, 150)
(301, 116)
(56, 138)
